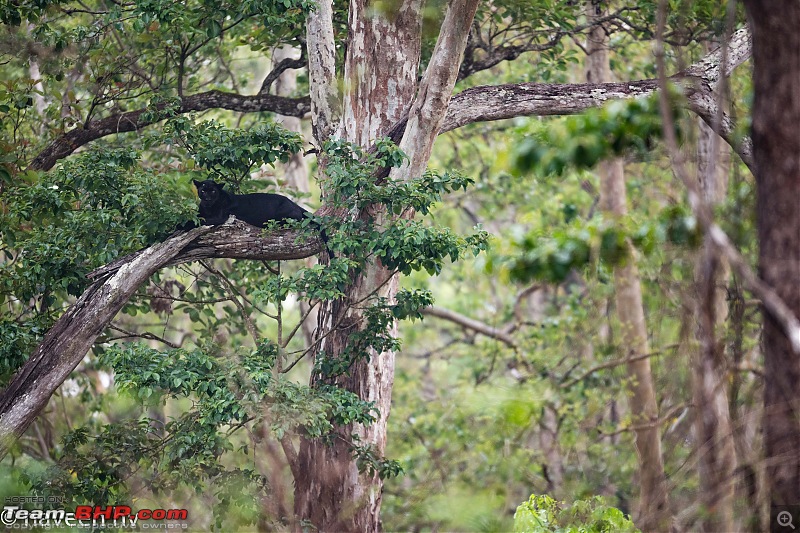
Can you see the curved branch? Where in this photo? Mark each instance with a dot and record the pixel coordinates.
(133, 120)
(67, 342)
(284, 65)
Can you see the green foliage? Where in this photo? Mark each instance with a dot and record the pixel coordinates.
(351, 169)
(56, 228)
(552, 257)
(582, 141)
(410, 303)
(96, 207)
(227, 393)
(371, 463)
(178, 25)
(403, 245)
(230, 155)
(318, 282)
(542, 514)
(18, 338)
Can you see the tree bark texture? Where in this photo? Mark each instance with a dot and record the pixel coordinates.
(68, 341)
(716, 453)
(381, 88)
(380, 80)
(776, 152)
(322, 69)
(654, 512)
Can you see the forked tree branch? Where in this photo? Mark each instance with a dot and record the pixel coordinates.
(430, 107)
(71, 337)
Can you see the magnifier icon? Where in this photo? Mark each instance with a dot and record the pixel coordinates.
(785, 519)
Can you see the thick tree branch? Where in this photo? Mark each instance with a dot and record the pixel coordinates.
(134, 120)
(497, 102)
(75, 332)
(233, 240)
(470, 323)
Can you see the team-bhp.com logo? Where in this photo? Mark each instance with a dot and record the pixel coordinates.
(113, 516)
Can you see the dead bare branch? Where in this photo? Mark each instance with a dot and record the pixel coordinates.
(470, 323)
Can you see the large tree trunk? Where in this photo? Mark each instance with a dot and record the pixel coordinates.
(381, 84)
(776, 151)
(331, 493)
(654, 511)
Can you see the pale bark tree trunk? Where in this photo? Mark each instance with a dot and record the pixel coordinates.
(39, 102)
(716, 453)
(654, 512)
(380, 87)
(776, 151)
(331, 493)
(553, 465)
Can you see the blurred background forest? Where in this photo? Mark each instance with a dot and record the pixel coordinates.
(574, 326)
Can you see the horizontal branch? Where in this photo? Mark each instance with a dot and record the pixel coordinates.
(498, 102)
(71, 337)
(67, 143)
(476, 104)
(232, 240)
(470, 323)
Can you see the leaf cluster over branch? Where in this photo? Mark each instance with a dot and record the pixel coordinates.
(73, 334)
(476, 104)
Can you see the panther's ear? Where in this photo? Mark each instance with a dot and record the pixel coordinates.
(196, 183)
(219, 185)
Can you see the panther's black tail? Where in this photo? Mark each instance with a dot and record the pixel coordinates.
(323, 235)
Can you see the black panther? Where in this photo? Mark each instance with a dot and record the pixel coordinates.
(217, 204)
